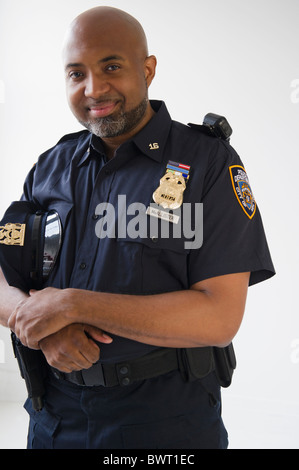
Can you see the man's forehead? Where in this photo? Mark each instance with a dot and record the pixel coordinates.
(76, 52)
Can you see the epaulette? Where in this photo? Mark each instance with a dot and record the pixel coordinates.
(215, 126)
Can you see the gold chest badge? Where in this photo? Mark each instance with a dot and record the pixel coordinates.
(169, 194)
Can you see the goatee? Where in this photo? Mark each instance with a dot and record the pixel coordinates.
(119, 123)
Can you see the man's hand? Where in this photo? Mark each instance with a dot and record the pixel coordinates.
(41, 314)
(71, 349)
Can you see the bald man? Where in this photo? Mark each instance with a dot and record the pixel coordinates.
(129, 324)
(114, 113)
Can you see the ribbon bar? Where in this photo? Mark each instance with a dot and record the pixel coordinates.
(178, 167)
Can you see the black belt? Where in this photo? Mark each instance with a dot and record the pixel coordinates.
(151, 365)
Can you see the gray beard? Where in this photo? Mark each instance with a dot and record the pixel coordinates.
(119, 124)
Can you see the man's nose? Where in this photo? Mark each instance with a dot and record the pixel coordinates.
(96, 86)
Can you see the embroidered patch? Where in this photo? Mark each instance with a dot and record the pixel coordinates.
(242, 189)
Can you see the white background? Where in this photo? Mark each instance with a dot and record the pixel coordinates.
(238, 58)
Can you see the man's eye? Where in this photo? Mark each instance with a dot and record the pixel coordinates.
(75, 75)
(112, 68)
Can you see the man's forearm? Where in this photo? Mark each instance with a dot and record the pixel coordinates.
(169, 320)
(210, 313)
(10, 297)
(179, 319)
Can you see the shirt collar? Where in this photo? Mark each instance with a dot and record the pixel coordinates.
(150, 140)
(95, 143)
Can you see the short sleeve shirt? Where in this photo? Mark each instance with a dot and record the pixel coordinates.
(117, 239)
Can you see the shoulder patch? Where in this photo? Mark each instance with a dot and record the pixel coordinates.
(242, 189)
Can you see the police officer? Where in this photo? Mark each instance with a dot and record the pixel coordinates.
(128, 318)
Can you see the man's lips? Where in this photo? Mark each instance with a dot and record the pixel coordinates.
(102, 110)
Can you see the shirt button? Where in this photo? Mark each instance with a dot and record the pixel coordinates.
(154, 239)
(125, 381)
(95, 217)
(82, 266)
(56, 374)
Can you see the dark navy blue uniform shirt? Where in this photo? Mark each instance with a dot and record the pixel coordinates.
(76, 179)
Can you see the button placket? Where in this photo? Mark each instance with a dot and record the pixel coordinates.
(89, 243)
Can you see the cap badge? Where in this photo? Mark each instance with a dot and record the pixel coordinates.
(12, 234)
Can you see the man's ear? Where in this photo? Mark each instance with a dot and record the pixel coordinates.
(150, 64)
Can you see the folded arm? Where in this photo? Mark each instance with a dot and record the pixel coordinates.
(67, 349)
(209, 313)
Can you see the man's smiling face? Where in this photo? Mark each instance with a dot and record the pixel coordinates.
(108, 73)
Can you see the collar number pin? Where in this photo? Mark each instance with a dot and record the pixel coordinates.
(154, 146)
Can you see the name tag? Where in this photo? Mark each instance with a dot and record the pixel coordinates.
(154, 212)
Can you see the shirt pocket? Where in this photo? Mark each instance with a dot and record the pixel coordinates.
(152, 265)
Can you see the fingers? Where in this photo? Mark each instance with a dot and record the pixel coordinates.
(67, 359)
(13, 317)
(41, 314)
(16, 325)
(97, 334)
(64, 363)
(22, 325)
(70, 349)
